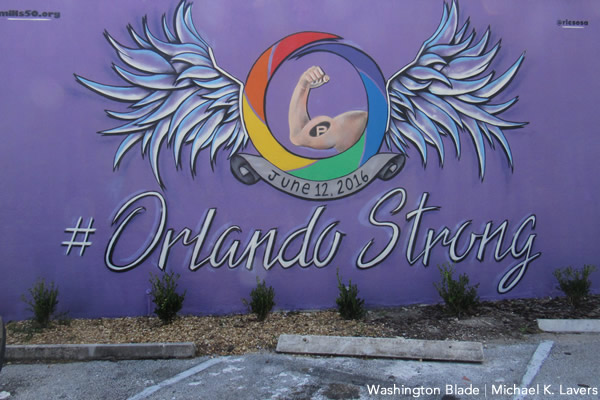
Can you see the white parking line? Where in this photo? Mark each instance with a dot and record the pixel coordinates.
(535, 363)
(179, 377)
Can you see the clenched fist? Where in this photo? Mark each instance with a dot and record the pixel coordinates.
(313, 78)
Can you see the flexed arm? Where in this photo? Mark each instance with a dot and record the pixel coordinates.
(321, 132)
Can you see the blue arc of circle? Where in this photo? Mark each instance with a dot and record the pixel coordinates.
(374, 83)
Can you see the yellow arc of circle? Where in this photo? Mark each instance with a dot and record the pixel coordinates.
(267, 145)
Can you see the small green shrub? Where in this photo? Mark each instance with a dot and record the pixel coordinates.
(350, 306)
(575, 284)
(459, 297)
(43, 302)
(165, 297)
(261, 300)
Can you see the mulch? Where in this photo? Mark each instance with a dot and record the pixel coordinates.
(513, 319)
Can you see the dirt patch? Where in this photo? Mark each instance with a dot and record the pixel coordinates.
(506, 319)
(239, 334)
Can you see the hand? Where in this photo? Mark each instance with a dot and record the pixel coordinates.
(313, 78)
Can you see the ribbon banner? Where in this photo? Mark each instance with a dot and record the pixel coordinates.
(249, 169)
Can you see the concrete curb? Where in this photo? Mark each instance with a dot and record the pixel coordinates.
(570, 325)
(88, 352)
(412, 349)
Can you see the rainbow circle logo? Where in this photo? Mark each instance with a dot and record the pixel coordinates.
(253, 107)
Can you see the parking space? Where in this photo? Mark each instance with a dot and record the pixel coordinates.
(570, 361)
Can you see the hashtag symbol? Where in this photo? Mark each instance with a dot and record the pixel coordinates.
(78, 230)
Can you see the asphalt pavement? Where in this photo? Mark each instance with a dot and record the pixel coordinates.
(545, 366)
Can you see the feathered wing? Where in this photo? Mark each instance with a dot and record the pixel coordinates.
(445, 92)
(177, 95)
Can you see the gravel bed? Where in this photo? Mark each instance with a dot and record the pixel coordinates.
(240, 334)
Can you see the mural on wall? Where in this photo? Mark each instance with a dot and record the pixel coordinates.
(184, 97)
(290, 141)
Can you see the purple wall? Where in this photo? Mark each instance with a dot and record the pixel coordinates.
(57, 169)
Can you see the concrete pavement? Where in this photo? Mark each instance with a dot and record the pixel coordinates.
(561, 366)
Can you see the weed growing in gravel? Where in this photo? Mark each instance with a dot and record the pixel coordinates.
(261, 300)
(42, 303)
(164, 295)
(575, 284)
(350, 306)
(460, 298)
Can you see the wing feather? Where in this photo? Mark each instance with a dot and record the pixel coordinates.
(169, 106)
(127, 128)
(479, 48)
(134, 114)
(240, 140)
(499, 108)
(447, 108)
(431, 59)
(477, 137)
(152, 97)
(414, 135)
(432, 136)
(441, 118)
(498, 84)
(125, 145)
(459, 35)
(191, 105)
(222, 136)
(140, 41)
(450, 50)
(156, 142)
(192, 59)
(398, 99)
(192, 120)
(458, 87)
(155, 81)
(468, 67)
(141, 59)
(425, 73)
(199, 72)
(499, 135)
(447, 28)
(413, 84)
(120, 93)
(205, 136)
